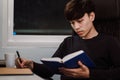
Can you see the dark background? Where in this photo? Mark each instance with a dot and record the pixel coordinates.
(40, 17)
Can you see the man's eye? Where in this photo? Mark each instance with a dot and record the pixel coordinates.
(79, 21)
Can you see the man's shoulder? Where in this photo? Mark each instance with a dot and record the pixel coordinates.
(106, 36)
(109, 37)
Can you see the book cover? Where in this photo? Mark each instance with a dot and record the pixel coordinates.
(69, 61)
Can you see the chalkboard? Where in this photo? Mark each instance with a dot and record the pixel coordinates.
(40, 17)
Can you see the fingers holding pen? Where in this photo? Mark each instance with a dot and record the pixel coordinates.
(25, 63)
(19, 64)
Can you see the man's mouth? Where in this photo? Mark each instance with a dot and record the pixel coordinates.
(80, 32)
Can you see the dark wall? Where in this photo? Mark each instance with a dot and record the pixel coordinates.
(108, 17)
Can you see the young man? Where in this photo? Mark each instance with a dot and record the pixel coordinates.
(104, 50)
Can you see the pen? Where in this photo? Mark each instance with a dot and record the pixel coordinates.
(19, 56)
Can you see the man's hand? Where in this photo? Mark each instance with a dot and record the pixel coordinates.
(81, 72)
(25, 63)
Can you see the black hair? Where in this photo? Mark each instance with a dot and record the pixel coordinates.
(76, 9)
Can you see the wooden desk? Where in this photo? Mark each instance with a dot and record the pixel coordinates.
(15, 71)
(18, 74)
(21, 77)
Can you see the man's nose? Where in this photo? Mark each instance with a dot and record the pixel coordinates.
(77, 26)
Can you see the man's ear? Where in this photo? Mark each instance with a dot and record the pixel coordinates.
(92, 16)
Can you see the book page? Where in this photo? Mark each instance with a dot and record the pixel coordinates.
(55, 59)
(72, 55)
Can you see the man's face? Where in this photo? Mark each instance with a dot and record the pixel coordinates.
(84, 25)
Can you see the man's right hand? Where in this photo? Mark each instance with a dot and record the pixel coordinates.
(25, 63)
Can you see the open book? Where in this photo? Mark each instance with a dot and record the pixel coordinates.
(69, 61)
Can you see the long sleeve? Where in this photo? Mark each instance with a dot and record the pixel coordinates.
(42, 70)
(69, 45)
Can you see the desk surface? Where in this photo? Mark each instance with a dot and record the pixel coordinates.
(21, 77)
(15, 71)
